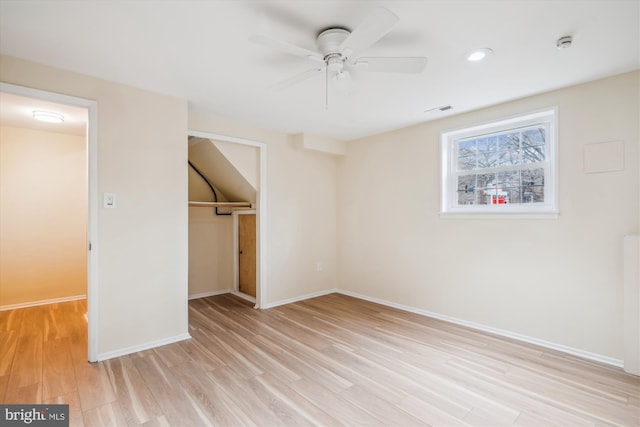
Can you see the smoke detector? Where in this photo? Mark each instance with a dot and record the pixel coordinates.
(564, 42)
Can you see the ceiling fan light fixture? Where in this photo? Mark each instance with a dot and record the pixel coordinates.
(48, 116)
(334, 62)
(479, 54)
(343, 75)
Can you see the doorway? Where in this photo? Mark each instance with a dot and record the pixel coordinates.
(90, 208)
(260, 211)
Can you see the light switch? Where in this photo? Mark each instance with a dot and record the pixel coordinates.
(109, 200)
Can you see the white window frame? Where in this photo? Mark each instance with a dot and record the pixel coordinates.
(449, 207)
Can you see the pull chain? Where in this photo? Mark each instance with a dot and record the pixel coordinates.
(326, 88)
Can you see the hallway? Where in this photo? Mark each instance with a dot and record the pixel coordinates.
(43, 355)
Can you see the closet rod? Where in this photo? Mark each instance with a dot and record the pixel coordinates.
(221, 204)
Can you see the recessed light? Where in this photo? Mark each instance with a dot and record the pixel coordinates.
(479, 54)
(48, 116)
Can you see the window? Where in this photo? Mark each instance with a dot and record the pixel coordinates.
(505, 167)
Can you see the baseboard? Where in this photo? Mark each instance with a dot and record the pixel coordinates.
(222, 292)
(41, 302)
(300, 298)
(243, 296)
(142, 347)
(508, 334)
(209, 294)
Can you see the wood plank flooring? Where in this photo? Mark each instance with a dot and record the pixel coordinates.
(328, 361)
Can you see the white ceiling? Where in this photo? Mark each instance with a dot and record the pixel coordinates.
(17, 111)
(199, 50)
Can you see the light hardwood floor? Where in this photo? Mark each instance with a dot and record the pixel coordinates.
(328, 361)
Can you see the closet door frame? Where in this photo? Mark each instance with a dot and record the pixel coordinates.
(260, 211)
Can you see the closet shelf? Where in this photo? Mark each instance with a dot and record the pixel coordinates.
(246, 205)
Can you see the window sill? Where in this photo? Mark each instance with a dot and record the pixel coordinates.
(500, 215)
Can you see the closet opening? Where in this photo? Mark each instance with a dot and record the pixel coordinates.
(227, 217)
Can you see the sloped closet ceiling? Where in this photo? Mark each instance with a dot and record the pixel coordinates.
(230, 178)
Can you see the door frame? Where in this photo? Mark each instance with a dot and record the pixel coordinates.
(260, 210)
(92, 198)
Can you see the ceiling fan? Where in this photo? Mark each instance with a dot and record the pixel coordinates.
(339, 49)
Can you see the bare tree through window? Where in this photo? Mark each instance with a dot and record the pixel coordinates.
(503, 168)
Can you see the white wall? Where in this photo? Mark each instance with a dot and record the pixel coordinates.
(43, 216)
(142, 246)
(301, 211)
(210, 252)
(555, 280)
(210, 241)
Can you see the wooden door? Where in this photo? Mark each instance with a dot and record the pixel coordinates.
(247, 254)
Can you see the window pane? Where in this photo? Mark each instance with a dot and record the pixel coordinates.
(513, 195)
(533, 186)
(533, 194)
(466, 190)
(509, 141)
(486, 188)
(467, 163)
(481, 197)
(536, 136)
(509, 149)
(466, 198)
(531, 177)
(533, 145)
(511, 157)
(533, 153)
(509, 179)
(487, 152)
(485, 180)
(487, 144)
(467, 148)
(538, 194)
(466, 183)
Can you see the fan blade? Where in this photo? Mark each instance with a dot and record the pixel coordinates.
(298, 78)
(373, 28)
(407, 65)
(286, 47)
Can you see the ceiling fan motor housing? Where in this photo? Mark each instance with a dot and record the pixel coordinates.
(329, 41)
